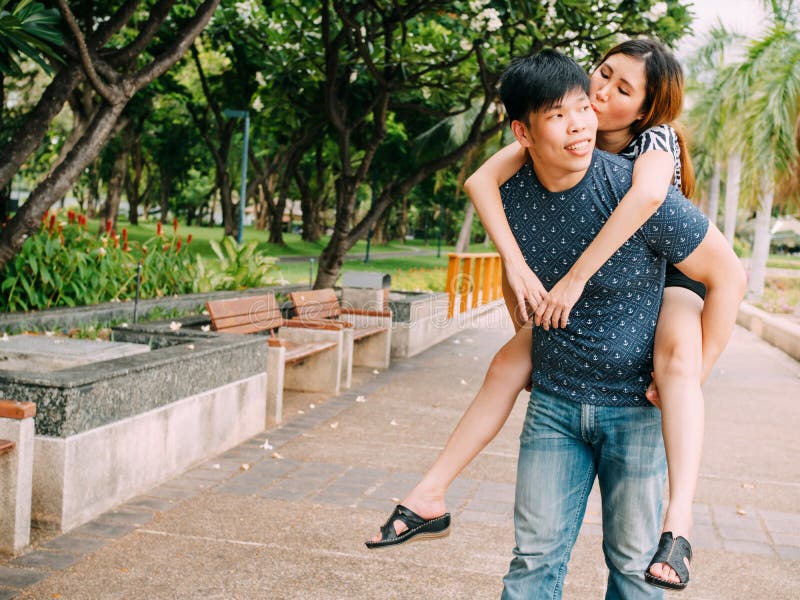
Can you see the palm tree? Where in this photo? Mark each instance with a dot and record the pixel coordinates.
(712, 149)
(757, 102)
(770, 158)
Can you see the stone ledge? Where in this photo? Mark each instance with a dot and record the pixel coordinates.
(781, 333)
(78, 399)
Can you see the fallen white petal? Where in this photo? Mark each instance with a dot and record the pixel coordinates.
(393, 422)
(124, 325)
(456, 341)
(748, 486)
(312, 406)
(5, 337)
(215, 466)
(49, 333)
(301, 412)
(397, 500)
(277, 455)
(205, 328)
(361, 399)
(190, 346)
(463, 382)
(267, 445)
(174, 325)
(334, 425)
(244, 467)
(376, 372)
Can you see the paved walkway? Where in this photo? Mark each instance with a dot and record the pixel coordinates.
(284, 515)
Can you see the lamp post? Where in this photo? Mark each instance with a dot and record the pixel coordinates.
(241, 114)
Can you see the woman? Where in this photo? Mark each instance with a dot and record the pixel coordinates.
(636, 92)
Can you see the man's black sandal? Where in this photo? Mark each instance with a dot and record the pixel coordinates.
(418, 528)
(671, 551)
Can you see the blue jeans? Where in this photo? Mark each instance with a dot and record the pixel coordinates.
(563, 446)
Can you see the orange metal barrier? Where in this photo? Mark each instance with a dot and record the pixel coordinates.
(473, 280)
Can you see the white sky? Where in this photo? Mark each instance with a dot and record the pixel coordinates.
(742, 16)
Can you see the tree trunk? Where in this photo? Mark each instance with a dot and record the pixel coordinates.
(133, 182)
(276, 223)
(226, 201)
(404, 220)
(57, 183)
(110, 208)
(761, 238)
(165, 189)
(732, 195)
(713, 195)
(462, 245)
(332, 257)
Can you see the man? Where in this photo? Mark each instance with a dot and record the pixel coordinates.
(588, 416)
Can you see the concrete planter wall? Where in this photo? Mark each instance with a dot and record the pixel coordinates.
(110, 430)
(419, 320)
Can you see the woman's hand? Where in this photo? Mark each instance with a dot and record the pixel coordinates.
(528, 290)
(652, 393)
(554, 309)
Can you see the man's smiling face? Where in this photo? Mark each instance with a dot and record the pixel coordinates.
(560, 140)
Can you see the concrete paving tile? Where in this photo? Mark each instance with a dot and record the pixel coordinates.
(153, 503)
(210, 474)
(128, 516)
(741, 547)
(786, 539)
(7, 594)
(500, 508)
(99, 528)
(379, 504)
(171, 493)
(73, 544)
(788, 552)
(487, 518)
(283, 494)
(344, 500)
(238, 489)
(359, 476)
(20, 578)
(705, 537)
(318, 471)
(44, 559)
(189, 484)
(733, 532)
(488, 490)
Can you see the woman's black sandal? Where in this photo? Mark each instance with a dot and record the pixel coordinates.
(671, 551)
(418, 528)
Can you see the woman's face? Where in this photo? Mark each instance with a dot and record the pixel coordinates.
(617, 91)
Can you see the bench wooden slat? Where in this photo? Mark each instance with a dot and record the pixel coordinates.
(298, 352)
(364, 332)
(316, 304)
(249, 314)
(6, 446)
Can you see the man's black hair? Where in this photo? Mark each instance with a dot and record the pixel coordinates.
(537, 82)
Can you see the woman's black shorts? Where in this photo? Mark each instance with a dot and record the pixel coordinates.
(675, 278)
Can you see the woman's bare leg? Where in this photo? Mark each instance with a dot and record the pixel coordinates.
(509, 372)
(677, 360)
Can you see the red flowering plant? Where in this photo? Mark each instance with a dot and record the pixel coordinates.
(64, 264)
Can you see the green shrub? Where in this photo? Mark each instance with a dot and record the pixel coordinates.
(237, 267)
(63, 264)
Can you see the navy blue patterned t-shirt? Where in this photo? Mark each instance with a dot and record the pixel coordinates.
(605, 354)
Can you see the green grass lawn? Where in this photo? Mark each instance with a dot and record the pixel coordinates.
(783, 261)
(201, 236)
(411, 273)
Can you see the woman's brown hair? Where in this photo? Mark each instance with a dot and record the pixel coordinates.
(663, 100)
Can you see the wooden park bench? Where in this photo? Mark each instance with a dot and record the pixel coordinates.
(6, 446)
(306, 355)
(371, 329)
